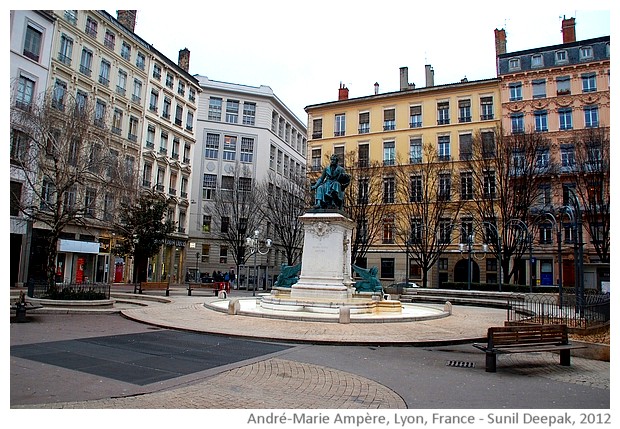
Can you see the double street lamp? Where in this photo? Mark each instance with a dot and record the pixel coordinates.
(471, 252)
(253, 245)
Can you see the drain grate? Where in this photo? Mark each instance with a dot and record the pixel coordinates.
(460, 364)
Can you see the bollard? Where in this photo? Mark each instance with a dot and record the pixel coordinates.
(222, 294)
(233, 307)
(448, 307)
(344, 315)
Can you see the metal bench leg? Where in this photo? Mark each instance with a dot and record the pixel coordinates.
(189, 291)
(167, 292)
(565, 357)
(491, 362)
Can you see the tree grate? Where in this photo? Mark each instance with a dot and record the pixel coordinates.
(460, 364)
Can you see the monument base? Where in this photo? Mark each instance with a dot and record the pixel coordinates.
(326, 258)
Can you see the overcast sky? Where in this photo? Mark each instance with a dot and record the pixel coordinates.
(303, 50)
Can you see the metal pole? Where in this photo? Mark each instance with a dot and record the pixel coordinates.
(559, 234)
(532, 265)
(197, 276)
(255, 269)
(469, 243)
(501, 278)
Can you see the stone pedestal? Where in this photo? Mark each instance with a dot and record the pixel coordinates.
(326, 259)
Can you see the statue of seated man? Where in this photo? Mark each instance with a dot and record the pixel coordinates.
(288, 275)
(331, 185)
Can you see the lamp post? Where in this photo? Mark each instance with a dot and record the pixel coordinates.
(575, 215)
(528, 241)
(558, 231)
(253, 244)
(197, 276)
(470, 252)
(499, 247)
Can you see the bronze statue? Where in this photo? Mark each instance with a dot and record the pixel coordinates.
(370, 281)
(331, 185)
(288, 275)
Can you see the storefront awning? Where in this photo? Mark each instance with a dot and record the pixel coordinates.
(75, 246)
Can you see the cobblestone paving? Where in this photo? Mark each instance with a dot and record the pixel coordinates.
(272, 383)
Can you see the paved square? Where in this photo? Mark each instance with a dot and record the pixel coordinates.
(145, 358)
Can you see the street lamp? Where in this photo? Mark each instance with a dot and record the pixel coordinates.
(528, 241)
(558, 231)
(253, 244)
(499, 246)
(574, 213)
(470, 252)
(197, 276)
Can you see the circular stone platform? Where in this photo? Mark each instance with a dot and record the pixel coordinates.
(296, 311)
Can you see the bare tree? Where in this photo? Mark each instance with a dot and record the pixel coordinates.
(508, 175)
(236, 209)
(430, 208)
(72, 173)
(284, 201)
(364, 202)
(592, 185)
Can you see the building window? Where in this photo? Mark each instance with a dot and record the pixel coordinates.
(156, 71)
(229, 148)
(86, 62)
(317, 128)
(389, 120)
(212, 146)
(489, 185)
(91, 27)
(467, 186)
(169, 80)
(104, 73)
(247, 149)
(249, 113)
(445, 232)
(540, 121)
(215, 109)
(387, 268)
(465, 147)
(100, 108)
(537, 61)
(585, 53)
(232, 111)
(71, 16)
(363, 156)
(224, 226)
(443, 113)
(486, 108)
(32, 43)
(339, 125)
(388, 229)
(567, 154)
(388, 190)
(133, 129)
(90, 201)
(154, 101)
(181, 89)
(566, 118)
(362, 190)
(415, 150)
(117, 121)
(542, 158)
(514, 64)
(19, 145)
(591, 116)
(415, 116)
(137, 91)
(209, 184)
(488, 144)
(178, 116)
(126, 51)
(66, 49)
(121, 87)
(539, 88)
(442, 264)
(561, 57)
(109, 40)
(588, 81)
(445, 187)
(364, 123)
(416, 189)
(47, 195)
(516, 91)
(464, 110)
(389, 153)
(443, 148)
(165, 113)
(563, 85)
(516, 123)
(25, 93)
(140, 61)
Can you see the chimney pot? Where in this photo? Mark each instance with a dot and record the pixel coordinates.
(376, 88)
(127, 18)
(500, 42)
(343, 92)
(184, 59)
(430, 75)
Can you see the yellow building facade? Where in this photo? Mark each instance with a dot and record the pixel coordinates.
(391, 130)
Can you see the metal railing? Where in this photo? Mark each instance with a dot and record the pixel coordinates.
(553, 309)
(69, 291)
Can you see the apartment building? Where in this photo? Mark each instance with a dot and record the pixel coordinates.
(140, 97)
(247, 131)
(560, 92)
(391, 130)
(32, 33)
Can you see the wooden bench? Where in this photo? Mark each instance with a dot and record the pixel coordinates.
(139, 287)
(216, 286)
(526, 339)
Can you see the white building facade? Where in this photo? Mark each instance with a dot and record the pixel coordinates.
(247, 127)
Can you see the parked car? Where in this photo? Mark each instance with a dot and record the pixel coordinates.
(399, 287)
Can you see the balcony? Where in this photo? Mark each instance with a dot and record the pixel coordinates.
(120, 90)
(64, 59)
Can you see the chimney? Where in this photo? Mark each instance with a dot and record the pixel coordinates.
(376, 88)
(500, 42)
(430, 75)
(184, 59)
(127, 18)
(343, 92)
(568, 30)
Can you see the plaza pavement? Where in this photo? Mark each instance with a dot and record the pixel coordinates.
(322, 374)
